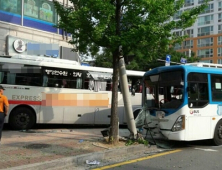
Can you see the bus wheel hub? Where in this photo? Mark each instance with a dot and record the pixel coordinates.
(220, 132)
(22, 118)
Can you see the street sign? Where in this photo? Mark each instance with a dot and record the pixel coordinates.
(168, 57)
(183, 60)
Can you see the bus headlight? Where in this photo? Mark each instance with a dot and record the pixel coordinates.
(179, 124)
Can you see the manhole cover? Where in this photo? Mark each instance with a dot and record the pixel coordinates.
(37, 146)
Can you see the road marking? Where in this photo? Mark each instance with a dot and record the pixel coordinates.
(211, 150)
(136, 160)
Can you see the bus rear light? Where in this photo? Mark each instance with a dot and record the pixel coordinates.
(179, 124)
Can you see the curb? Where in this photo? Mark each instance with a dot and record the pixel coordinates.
(81, 159)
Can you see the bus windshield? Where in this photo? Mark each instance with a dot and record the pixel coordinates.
(165, 90)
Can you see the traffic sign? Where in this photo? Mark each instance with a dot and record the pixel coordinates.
(168, 58)
(183, 60)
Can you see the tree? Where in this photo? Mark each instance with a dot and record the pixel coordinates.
(142, 26)
(138, 62)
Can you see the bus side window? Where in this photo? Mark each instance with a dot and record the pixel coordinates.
(216, 87)
(45, 81)
(1, 77)
(79, 83)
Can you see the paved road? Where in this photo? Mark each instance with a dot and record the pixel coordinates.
(190, 156)
(61, 148)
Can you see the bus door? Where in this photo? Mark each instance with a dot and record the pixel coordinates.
(199, 116)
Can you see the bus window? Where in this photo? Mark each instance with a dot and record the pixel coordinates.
(45, 81)
(1, 77)
(216, 87)
(135, 84)
(100, 81)
(197, 90)
(62, 78)
(19, 74)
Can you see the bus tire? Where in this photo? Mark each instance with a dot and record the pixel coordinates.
(217, 140)
(22, 118)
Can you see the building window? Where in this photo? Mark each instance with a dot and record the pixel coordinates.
(188, 3)
(205, 53)
(209, 9)
(205, 31)
(219, 6)
(187, 53)
(205, 20)
(219, 28)
(219, 40)
(38, 14)
(219, 61)
(205, 42)
(177, 33)
(219, 17)
(177, 15)
(177, 46)
(202, 1)
(11, 6)
(11, 11)
(189, 33)
(188, 44)
(41, 10)
(219, 51)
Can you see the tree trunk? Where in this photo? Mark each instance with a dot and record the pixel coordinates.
(114, 136)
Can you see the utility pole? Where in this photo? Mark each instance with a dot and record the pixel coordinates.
(126, 97)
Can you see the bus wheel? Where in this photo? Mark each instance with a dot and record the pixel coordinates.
(218, 134)
(22, 118)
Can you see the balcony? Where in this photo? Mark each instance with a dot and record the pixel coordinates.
(204, 33)
(188, 4)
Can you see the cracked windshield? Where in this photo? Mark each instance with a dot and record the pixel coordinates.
(165, 90)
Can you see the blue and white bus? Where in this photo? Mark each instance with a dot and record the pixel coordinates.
(185, 101)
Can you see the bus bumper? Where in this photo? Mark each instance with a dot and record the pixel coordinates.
(179, 135)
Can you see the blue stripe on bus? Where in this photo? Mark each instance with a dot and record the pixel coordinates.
(188, 68)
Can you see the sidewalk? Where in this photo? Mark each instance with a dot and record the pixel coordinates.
(54, 149)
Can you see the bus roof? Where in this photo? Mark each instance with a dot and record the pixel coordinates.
(191, 67)
(59, 63)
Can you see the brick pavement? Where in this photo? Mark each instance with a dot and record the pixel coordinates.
(23, 148)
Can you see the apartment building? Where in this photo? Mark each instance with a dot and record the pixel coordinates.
(27, 28)
(205, 36)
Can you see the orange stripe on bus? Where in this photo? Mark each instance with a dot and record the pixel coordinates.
(79, 103)
(24, 102)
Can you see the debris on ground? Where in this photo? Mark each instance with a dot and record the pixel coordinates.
(94, 162)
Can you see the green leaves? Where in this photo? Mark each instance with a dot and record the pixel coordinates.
(143, 25)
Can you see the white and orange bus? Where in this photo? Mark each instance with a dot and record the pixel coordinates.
(57, 91)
